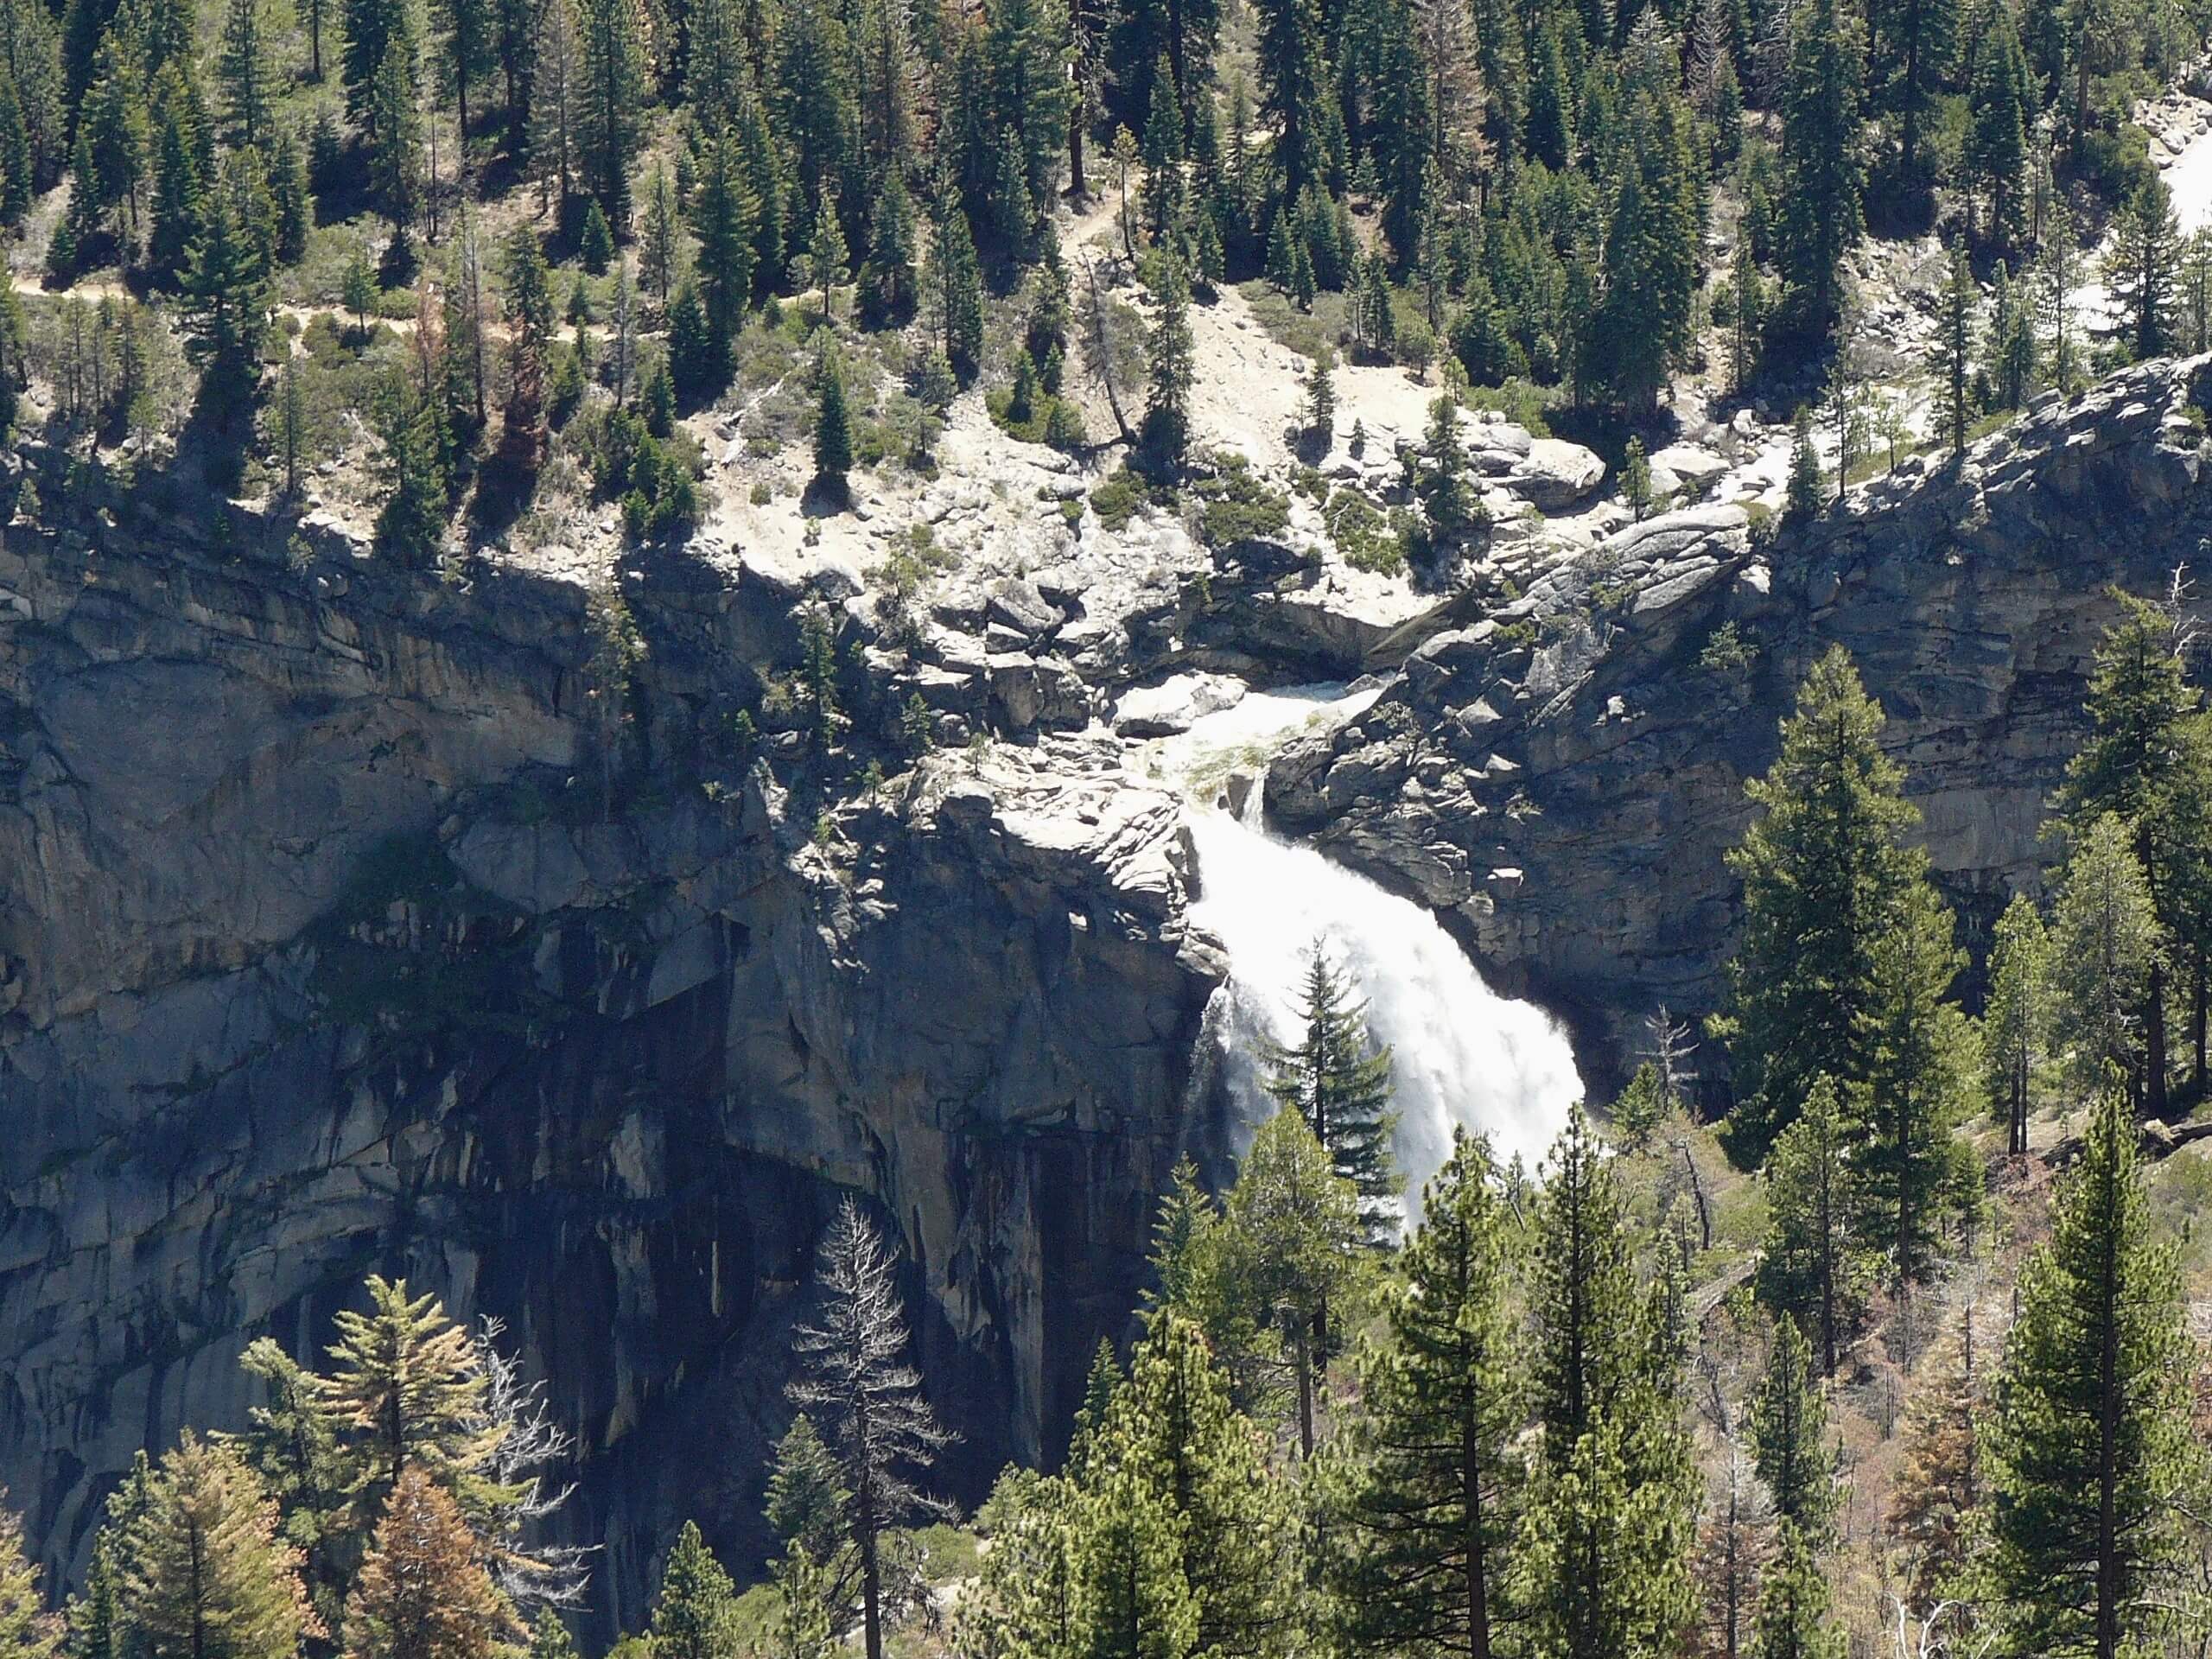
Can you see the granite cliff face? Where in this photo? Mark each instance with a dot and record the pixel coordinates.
(1562, 778)
(359, 920)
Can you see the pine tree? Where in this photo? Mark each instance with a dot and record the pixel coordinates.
(724, 216)
(243, 71)
(27, 1629)
(2106, 948)
(406, 1391)
(15, 168)
(2090, 1432)
(1794, 1619)
(1339, 1080)
(1437, 1482)
(959, 289)
(2016, 1023)
(529, 337)
(826, 253)
(803, 1624)
(856, 1378)
(833, 432)
(115, 134)
(715, 70)
(181, 180)
(288, 184)
(805, 1502)
(890, 291)
(2001, 102)
(1295, 89)
(1938, 1490)
(764, 172)
(2141, 762)
(660, 257)
(1602, 1563)
(1789, 1422)
(291, 1441)
(1822, 868)
(204, 1576)
(396, 161)
(2058, 275)
(611, 100)
(1954, 351)
(817, 116)
(556, 92)
(1823, 210)
(1650, 256)
(470, 37)
(693, 1613)
(1169, 352)
(370, 27)
(698, 363)
(1023, 1600)
(1164, 192)
(2012, 343)
(1178, 1527)
(2142, 267)
(1801, 499)
(226, 305)
(2194, 285)
(595, 242)
(422, 1591)
(1289, 1237)
(1131, 1597)
(466, 345)
(1918, 1062)
(1321, 402)
(1635, 479)
(410, 524)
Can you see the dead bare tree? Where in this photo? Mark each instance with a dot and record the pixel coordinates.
(530, 1443)
(1669, 1046)
(1104, 349)
(856, 1383)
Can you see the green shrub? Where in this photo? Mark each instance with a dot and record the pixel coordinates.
(1236, 505)
(1116, 500)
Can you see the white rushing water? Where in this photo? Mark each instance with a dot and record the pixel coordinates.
(1461, 1054)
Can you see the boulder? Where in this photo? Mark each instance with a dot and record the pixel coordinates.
(1555, 475)
(1174, 704)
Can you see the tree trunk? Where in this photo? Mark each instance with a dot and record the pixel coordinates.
(2154, 1043)
(864, 1535)
(1471, 1486)
(2197, 1012)
(1305, 1364)
(2109, 1587)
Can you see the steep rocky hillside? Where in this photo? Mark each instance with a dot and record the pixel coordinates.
(458, 924)
(1563, 775)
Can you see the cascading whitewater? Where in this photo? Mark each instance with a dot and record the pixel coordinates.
(1461, 1054)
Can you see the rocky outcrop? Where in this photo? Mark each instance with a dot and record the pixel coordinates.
(357, 919)
(1563, 777)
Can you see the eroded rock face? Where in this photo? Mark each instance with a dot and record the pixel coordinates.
(356, 921)
(1563, 776)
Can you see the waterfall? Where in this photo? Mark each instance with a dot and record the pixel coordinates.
(1461, 1054)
